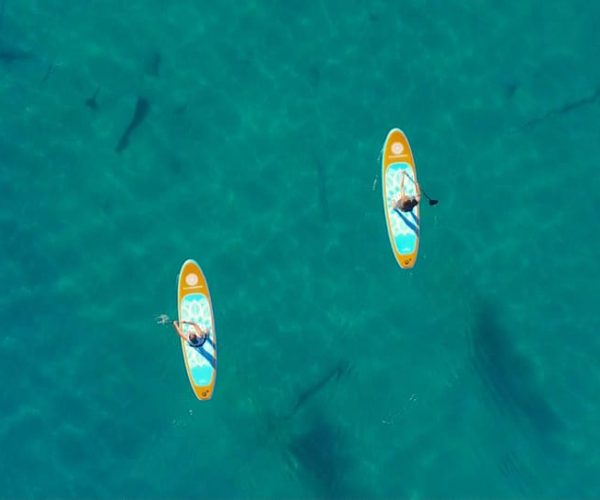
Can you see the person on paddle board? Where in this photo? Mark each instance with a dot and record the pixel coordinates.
(195, 338)
(407, 203)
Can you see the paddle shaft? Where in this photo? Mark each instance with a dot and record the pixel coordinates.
(433, 202)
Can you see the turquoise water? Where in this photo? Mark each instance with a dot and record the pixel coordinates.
(474, 375)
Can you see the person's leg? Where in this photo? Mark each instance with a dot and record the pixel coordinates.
(408, 222)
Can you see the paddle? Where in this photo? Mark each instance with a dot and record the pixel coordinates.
(432, 202)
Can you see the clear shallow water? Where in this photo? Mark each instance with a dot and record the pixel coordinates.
(473, 375)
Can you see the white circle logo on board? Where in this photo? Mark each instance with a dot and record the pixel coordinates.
(191, 279)
(397, 148)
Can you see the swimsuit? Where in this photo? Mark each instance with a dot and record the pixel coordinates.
(198, 341)
(408, 205)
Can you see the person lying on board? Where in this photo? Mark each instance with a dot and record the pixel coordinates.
(407, 203)
(194, 338)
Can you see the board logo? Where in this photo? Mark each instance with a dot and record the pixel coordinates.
(191, 279)
(397, 148)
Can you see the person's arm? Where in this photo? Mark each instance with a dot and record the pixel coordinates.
(179, 332)
(418, 188)
(398, 203)
(402, 184)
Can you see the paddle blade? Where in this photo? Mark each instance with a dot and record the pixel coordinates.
(433, 202)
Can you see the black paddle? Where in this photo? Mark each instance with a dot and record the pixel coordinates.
(432, 202)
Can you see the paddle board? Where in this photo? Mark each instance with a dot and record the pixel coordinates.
(194, 304)
(403, 227)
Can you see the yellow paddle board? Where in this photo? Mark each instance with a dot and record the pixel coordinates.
(397, 163)
(194, 304)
